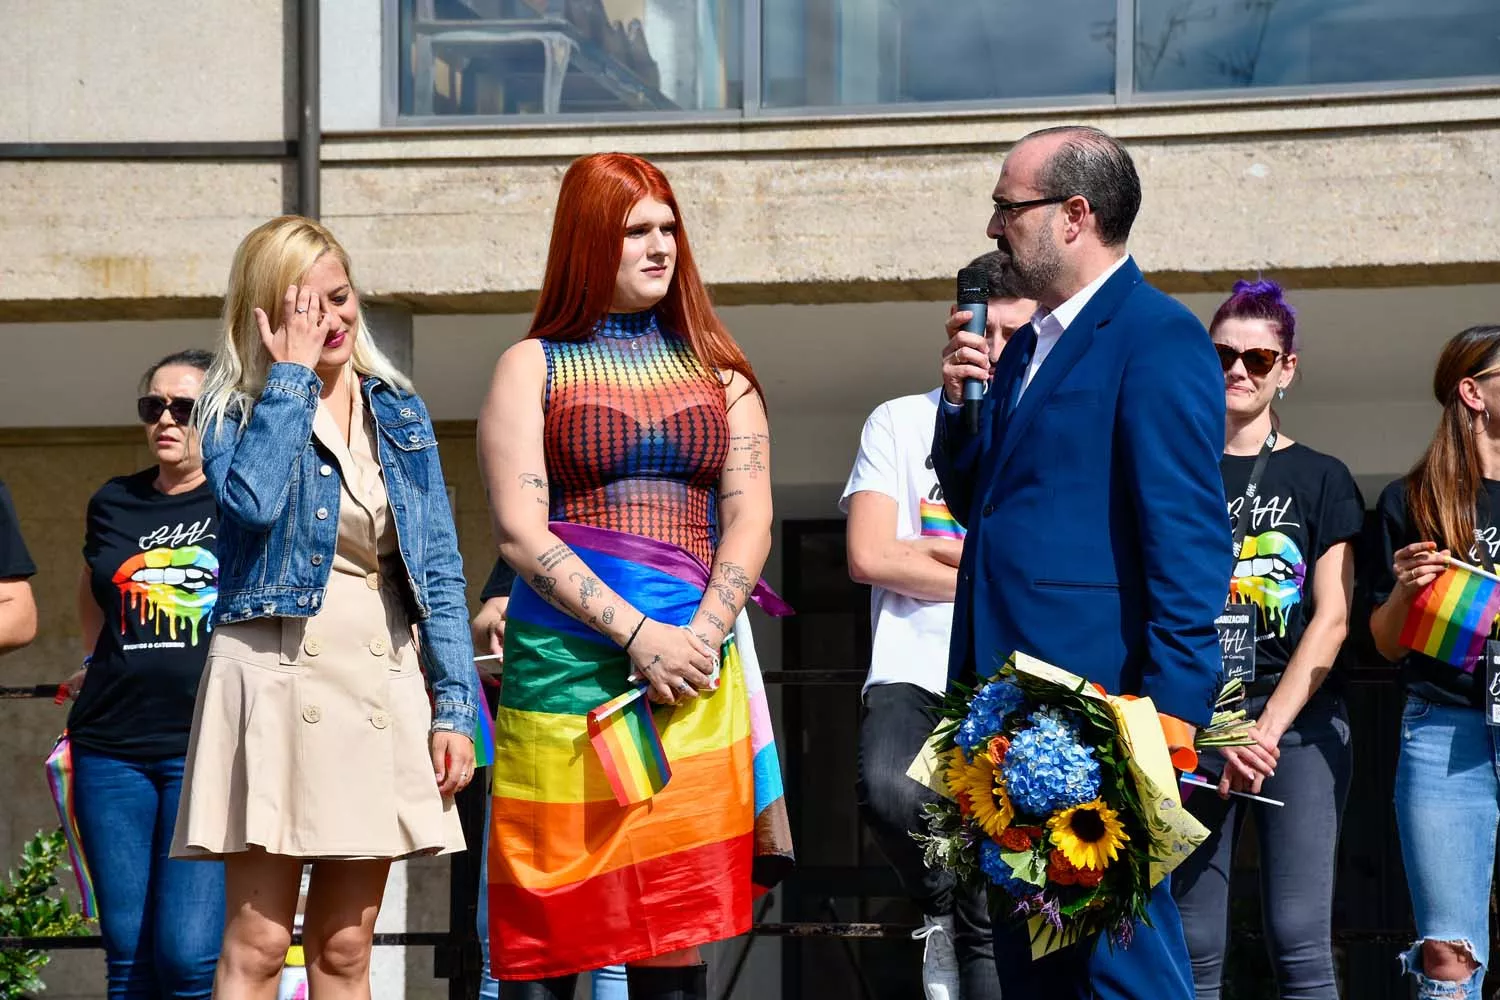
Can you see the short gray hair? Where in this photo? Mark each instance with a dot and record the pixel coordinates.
(1093, 164)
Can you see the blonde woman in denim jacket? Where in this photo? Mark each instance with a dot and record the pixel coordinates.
(340, 587)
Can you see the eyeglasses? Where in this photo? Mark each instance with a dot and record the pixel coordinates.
(1258, 360)
(1005, 211)
(150, 409)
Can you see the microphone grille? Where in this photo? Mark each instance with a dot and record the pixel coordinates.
(973, 285)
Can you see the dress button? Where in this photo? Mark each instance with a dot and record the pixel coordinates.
(325, 470)
(311, 713)
(380, 720)
(372, 580)
(317, 559)
(377, 646)
(321, 514)
(989, 509)
(313, 645)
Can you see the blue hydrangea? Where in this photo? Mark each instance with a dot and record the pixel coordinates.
(987, 711)
(1000, 873)
(1048, 767)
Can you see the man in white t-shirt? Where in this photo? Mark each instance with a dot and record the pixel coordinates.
(903, 543)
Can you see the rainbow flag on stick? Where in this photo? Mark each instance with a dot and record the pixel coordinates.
(623, 732)
(1452, 617)
(60, 781)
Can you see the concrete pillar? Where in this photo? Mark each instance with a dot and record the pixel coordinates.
(390, 324)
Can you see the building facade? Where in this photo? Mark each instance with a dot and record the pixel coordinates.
(834, 161)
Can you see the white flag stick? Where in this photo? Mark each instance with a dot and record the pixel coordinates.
(1193, 779)
(1472, 569)
(488, 656)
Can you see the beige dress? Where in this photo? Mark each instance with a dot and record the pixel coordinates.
(310, 734)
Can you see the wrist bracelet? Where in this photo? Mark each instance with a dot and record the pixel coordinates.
(633, 634)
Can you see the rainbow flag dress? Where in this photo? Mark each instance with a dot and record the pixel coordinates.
(643, 830)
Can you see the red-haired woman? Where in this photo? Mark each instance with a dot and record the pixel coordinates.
(626, 453)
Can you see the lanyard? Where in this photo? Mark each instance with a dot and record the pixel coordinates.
(1482, 547)
(1242, 523)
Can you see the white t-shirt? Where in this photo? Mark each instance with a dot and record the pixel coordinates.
(910, 637)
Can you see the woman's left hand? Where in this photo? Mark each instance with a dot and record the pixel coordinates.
(452, 760)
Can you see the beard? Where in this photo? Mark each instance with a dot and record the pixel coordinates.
(1035, 272)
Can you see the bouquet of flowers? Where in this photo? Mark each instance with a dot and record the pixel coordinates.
(1061, 799)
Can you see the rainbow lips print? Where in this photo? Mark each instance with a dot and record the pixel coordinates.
(1269, 574)
(171, 587)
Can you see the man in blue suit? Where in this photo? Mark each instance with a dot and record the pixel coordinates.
(1097, 538)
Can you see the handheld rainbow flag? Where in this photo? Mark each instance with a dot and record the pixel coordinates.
(484, 726)
(623, 733)
(60, 780)
(1452, 617)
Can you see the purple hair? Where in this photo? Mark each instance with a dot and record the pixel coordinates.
(1264, 300)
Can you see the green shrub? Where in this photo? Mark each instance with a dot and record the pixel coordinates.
(29, 907)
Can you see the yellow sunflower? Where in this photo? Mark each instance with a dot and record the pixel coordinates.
(979, 784)
(1090, 835)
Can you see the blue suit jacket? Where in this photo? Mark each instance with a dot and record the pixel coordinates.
(1097, 534)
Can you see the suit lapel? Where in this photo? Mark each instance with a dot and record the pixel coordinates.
(1069, 349)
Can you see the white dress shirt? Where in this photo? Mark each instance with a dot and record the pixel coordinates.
(1049, 326)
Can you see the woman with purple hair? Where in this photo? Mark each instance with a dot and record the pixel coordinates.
(1294, 513)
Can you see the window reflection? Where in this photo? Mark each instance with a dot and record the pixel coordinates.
(1211, 44)
(516, 57)
(823, 53)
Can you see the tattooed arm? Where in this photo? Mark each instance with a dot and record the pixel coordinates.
(744, 515)
(513, 464)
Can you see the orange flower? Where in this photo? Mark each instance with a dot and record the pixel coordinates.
(1090, 877)
(1015, 839)
(1060, 869)
(964, 808)
(998, 748)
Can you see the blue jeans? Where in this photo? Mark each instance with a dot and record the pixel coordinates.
(162, 920)
(1447, 810)
(608, 983)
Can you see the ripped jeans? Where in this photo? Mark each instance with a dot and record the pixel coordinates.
(1447, 810)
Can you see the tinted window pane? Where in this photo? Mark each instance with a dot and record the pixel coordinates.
(1195, 44)
(522, 57)
(822, 53)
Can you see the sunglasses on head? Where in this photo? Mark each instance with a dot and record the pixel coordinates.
(1258, 360)
(150, 409)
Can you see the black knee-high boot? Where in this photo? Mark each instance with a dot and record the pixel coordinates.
(658, 982)
(556, 988)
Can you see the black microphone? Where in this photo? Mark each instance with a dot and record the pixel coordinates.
(974, 298)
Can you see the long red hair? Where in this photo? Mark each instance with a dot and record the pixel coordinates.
(583, 258)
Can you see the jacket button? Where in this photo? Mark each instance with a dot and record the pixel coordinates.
(989, 509)
(377, 646)
(311, 713)
(413, 437)
(302, 601)
(313, 646)
(317, 559)
(380, 720)
(407, 411)
(325, 470)
(321, 514)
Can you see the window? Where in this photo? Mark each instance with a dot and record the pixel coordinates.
(562, 57)
(507, 59)
(825, 53)
(1218, 44)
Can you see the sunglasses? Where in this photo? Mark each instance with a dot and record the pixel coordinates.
(1258, 360)
(150, 409)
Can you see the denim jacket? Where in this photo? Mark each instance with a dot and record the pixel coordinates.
(279, 512)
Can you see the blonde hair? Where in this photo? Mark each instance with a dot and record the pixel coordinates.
(275, 254)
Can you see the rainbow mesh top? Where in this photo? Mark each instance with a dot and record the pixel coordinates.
(636, 434)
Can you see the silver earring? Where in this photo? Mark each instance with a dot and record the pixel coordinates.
(1281, 392)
